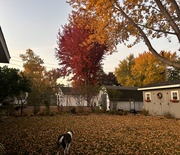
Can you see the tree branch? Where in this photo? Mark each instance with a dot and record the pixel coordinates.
(146, 40)
(176, 8)
(169, 18)
(150, 28)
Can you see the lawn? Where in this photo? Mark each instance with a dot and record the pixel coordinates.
(101, 134)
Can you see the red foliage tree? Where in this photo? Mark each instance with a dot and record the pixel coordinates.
(77, 57)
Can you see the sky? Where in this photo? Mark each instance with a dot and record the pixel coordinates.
(34, 24)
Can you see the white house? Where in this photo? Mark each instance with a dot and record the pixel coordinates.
(66, 96)
(120, 97)
(162, 98)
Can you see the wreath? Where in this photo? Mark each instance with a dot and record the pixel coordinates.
(159, 95)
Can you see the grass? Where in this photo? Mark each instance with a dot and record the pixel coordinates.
(101, 134)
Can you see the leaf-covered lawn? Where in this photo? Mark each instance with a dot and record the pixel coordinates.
(93, 134)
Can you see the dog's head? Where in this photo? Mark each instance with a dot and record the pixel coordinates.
(70, 132)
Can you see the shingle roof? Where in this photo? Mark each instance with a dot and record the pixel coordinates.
(161, 85)
(120, 93)
(66, 90)
(165, 83)
(120, 87)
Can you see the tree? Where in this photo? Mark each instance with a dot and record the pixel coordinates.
(147, 70)
(107, 79)
(82, 61)
(123, 72)
(13, 83)
(120, 21)
(173, 73)
(43, 81)
(144, 69)
(79, 58)
(33, 69)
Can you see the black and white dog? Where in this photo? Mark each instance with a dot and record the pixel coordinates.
(64, 140)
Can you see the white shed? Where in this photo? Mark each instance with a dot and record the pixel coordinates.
(162, 98)
(120, 97)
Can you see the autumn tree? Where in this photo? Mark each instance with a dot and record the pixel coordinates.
(43, 81)
(116, 21)
(123, 72)
(78, 58)
(144, 69)
(147, 70)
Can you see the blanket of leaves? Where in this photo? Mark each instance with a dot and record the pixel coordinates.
(101, 134)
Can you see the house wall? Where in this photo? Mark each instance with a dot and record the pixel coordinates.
(127, 106)
(103, 100)
(164, 105)
(107, 104)
(70, 100)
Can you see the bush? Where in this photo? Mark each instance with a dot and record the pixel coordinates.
(73, 110)
(98, 111)
(145, 112)
(168, 115)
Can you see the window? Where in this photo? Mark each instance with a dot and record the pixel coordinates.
(148, 97)
(174, 96)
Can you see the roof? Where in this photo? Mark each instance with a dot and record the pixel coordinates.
(4, 53)
(162, 85)
(66, 90)
(119, 87)
(121, 93)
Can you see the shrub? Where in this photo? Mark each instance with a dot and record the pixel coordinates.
(168, 115)
(98, 110)
(145, 112)
(73, 110)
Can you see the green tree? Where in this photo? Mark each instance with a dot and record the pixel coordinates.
(123, 72)
(13, 83)
(116, 21)
(107, 78)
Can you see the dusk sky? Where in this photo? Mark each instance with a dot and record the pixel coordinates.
(34, 24)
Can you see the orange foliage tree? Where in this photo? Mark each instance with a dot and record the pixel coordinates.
(116, 21)
(144, 69)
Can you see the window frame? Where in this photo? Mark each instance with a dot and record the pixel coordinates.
(148, 96)
(177, 95)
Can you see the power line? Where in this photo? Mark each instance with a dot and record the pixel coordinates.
(46, 64)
